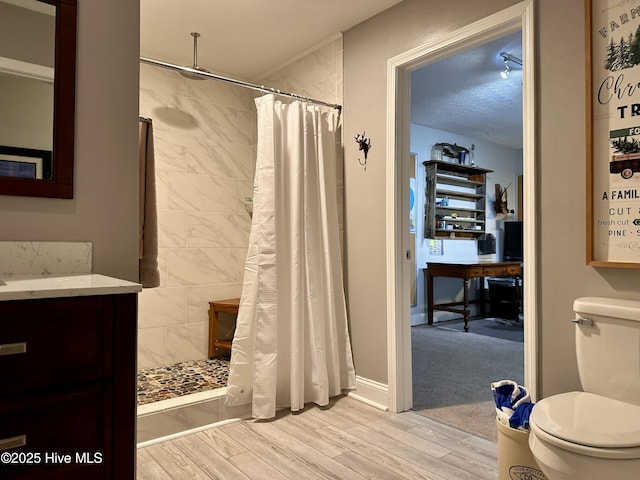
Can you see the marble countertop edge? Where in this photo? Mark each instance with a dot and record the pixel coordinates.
(32, 286)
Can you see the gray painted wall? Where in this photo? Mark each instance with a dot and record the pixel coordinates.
(562, 272)
(104, 209)
(367, 47)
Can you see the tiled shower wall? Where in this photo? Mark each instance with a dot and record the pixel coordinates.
(204, 138)
(205, 158)
(318, 74)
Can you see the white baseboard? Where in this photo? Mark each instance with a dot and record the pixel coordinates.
(371, 392)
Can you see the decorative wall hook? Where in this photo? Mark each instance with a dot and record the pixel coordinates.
(365, 145)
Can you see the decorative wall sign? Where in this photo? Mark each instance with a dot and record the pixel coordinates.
(613, 133)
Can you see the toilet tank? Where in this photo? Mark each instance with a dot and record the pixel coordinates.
(608, 347)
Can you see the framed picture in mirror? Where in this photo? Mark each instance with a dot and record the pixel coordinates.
(25, 163)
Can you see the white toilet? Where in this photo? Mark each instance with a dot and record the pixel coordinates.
(595, 434)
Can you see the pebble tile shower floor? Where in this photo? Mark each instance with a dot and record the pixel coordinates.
(171, 381)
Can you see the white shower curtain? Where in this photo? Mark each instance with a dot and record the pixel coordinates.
(291, 343)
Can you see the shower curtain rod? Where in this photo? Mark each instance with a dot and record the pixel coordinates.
(240, 83)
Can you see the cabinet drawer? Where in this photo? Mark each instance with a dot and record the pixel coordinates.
(475, 272)
(64, 422)
(502, 270)
(54, 342)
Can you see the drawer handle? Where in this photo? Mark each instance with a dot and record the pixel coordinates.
(13, 348)
(13, 442)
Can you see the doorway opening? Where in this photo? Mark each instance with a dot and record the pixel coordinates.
(400, 68)
(467, 138)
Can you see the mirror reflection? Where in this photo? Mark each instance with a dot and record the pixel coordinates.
(27, 59)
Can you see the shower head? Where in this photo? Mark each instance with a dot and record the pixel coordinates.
(195, 76)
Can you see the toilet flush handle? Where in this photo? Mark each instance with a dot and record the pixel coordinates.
(587, 322)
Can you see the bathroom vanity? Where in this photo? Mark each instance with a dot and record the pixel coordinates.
(68, 388)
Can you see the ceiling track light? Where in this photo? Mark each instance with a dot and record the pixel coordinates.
(507, 57)
(507, 70)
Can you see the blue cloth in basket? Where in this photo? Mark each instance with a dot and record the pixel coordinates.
(513, 404)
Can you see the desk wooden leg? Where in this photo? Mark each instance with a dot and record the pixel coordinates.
(482, 297)
(429, 299)
(519, 297)
(466, 305)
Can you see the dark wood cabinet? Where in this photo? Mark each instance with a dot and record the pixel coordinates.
(68, 392)
(455, 200)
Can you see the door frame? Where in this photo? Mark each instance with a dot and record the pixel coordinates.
(514, 18)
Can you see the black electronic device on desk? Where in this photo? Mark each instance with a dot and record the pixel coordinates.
(513, 243)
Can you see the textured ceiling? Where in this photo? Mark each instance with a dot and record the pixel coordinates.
(465, 94)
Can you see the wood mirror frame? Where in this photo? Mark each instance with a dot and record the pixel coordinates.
(64, 94)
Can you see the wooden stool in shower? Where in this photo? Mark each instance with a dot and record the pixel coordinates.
(220, 306)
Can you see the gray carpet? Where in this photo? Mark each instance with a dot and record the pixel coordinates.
(453, 370)
(489, 327)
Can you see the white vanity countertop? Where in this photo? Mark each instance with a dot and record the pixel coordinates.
(29, 286)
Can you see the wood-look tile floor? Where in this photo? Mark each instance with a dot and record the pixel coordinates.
(347, 440)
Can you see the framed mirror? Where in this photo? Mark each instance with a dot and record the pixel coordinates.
(37, 97)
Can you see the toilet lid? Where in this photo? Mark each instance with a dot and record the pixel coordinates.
(588, 419)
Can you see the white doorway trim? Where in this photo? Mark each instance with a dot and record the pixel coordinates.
(517, 17)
